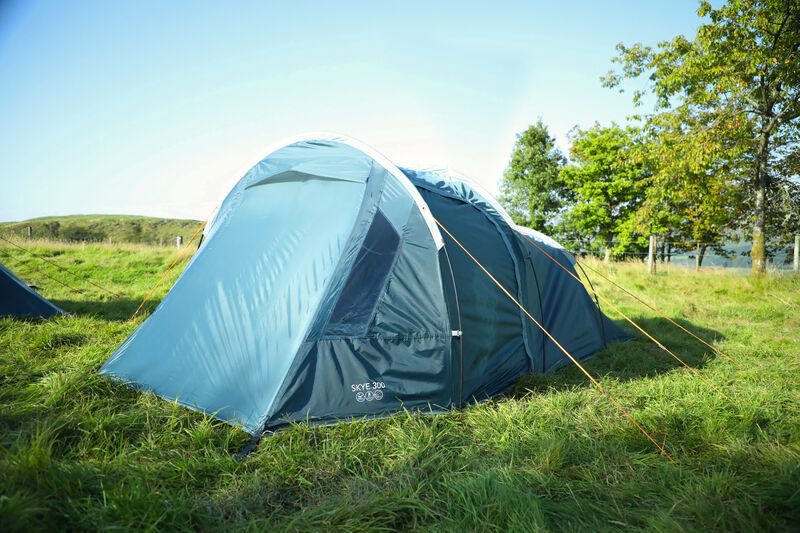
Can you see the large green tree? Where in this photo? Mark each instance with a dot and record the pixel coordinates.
(736, 89)
(531, 190)
(690, 199)
(607, 179)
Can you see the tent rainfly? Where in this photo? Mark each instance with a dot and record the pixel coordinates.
(19, 300)
(324, 291)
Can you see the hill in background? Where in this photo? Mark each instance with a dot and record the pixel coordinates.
(101, 228)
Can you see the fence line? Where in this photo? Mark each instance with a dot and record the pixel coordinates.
(781, 258)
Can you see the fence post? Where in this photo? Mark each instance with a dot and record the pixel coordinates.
(179, 242)
(651, 256)
(607, 257)
(30, 233)
(797, 253)
(698, 260)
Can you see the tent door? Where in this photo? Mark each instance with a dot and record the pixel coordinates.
(457, 334)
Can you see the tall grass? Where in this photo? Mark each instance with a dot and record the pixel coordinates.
(78, 452)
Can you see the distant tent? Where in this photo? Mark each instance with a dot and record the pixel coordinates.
(17, 299)
(324, 291)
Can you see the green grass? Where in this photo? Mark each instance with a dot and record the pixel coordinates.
(80, 453)
(120, 228)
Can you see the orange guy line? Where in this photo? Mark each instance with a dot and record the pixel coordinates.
(656, 310)
(556, 342)
(627, 318)
(167, 272)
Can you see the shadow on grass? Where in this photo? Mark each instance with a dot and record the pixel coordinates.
(109, 310)
(638, 358)
(635, 359)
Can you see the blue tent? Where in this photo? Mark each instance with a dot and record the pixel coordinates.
(17, 299)
(324, 291)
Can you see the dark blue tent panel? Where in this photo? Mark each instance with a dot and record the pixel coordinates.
(17, 299)
(324, 291)
(569, 313)
(491, 325)
(554, 298)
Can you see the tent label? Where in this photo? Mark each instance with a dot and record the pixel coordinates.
(368, 391)
(367, 385)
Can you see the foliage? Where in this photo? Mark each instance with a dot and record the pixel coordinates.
(78, 452)
(134, 233)
(79, 233)
(731, 95)
(607, 181)
(531, 190)
(688, 197)
(50, 230)
(592, 200)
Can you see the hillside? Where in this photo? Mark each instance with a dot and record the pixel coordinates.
(96, 228)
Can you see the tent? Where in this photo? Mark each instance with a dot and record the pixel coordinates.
(18, 299)
(324, 291)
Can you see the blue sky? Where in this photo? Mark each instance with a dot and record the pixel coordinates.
(156, 108)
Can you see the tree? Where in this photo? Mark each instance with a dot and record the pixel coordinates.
(50, 229)
(79, 233)
(531, 190)
(738, 83)
(689, 198)
(134, 233)
(607, 181)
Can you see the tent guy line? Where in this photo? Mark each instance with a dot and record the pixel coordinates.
(20, 300)
(45, 274)
(637, 326)
(164, 275)
(87, 280)
(586, 372)
(632, 295)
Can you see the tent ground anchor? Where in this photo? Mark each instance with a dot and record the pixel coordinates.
(251, 447)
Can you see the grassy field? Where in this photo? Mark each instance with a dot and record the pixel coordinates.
(80, 453)
(94, 228)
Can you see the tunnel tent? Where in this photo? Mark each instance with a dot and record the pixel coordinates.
(546, 290)
(554, 248)
(17, 299)
(324, 291)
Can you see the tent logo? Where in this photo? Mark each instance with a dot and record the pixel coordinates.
(369, 396)
(366, 392)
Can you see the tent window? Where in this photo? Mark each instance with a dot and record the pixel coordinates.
(364, 284)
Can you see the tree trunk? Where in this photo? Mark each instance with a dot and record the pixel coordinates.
(651, 255)
(701, 251)
(759, 253)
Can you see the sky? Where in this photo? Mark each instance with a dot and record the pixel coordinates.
(157, 108)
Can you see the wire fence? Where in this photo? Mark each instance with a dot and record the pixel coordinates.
(736, 256)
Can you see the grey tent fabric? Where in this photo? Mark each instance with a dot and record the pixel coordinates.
(324, 291)
(17, 299)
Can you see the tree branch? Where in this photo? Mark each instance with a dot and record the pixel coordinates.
(788, 106)
(783, 23)
(749, 99)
